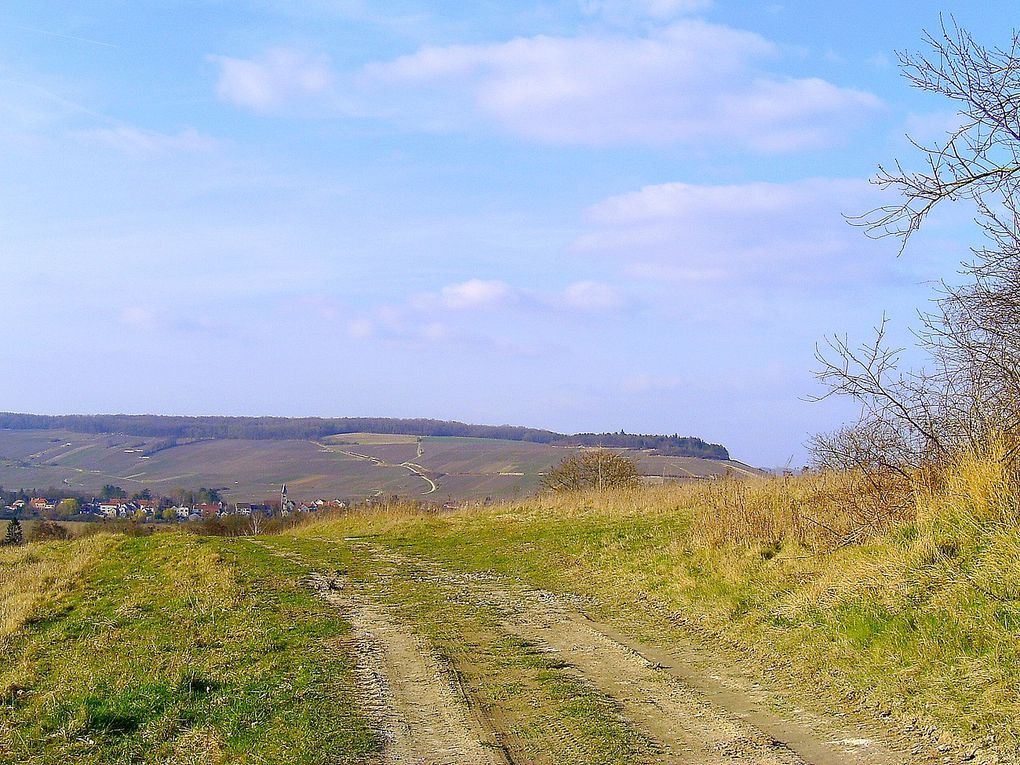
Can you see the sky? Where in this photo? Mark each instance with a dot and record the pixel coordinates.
(582, 215)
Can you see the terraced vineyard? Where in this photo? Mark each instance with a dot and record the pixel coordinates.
(349, 466)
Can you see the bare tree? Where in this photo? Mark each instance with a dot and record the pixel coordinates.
(597, 469)
(970, 388)
(256, 522)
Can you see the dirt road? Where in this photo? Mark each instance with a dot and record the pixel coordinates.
(412, 697)
(691, 706)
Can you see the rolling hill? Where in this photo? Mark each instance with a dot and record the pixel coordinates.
(348, 465)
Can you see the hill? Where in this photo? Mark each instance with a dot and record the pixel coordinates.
(303, 428)
(348, 466)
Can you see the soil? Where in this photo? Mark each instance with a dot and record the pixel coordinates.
(413, 698)
(696, 707)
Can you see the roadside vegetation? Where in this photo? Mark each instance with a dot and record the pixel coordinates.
(181, 648)
(914, 619)
(169, 648)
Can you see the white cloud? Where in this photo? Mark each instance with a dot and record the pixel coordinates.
(138, 143)
(759, 234)
(590, 296)
(473, 312)
(476, 293)
(360, 329)
(690, 82)
(654, 9)
(279, 77)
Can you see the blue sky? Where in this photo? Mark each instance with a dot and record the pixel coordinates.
(580, 215)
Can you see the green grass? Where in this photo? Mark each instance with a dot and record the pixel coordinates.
(175, 649)
(552, 716)
(921, 621)
(172, 648)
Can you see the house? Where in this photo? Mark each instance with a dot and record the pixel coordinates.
(242, 508)
(110, 507)
(181, 512)
(208, 509)
(40, 503)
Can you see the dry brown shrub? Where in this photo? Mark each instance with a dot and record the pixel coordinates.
(818, 511)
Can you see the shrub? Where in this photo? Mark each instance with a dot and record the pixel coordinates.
(597, 469)
(46, 531)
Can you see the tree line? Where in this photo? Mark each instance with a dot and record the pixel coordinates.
(170, 428)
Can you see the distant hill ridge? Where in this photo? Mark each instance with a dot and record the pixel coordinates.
(286, 428)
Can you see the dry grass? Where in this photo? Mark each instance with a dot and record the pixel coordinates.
(904, 594)
(32, 576)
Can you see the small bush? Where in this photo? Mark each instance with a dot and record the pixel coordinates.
(47, 531)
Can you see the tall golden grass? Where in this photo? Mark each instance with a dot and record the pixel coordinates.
(904, 592)
(33, 575)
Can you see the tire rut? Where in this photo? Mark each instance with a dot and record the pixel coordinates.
(697, 710)
(415, 701)
(411, 695)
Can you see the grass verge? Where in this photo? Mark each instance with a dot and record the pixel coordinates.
(919, 619)
(172, 649)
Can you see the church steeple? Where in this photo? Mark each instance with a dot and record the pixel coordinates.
(283, 497)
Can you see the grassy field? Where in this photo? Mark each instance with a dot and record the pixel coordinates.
(75, 529)
(918, 621)
(351, 466)
(173, 648)
(170, 649)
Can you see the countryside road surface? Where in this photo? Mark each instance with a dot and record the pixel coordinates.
(690, 705)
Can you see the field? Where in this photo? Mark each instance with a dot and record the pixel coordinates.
(351, 466)
(702, 624)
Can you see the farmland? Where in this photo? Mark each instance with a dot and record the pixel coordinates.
(696, 624)
(352, 465)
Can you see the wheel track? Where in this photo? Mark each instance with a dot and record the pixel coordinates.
(698, 711)
(416, 704)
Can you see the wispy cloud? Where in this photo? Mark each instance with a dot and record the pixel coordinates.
(72, 38)
(755, 234)
(689, 82)
(654, 9)
(476, 293)
(159, 319)
(589, 296)
(278, 77)
(453, 313)
(142, 143)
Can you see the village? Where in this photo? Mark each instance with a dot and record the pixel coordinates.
(146, 508)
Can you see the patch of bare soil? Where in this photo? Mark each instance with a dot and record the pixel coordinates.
(698, 709)
(413, 698)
